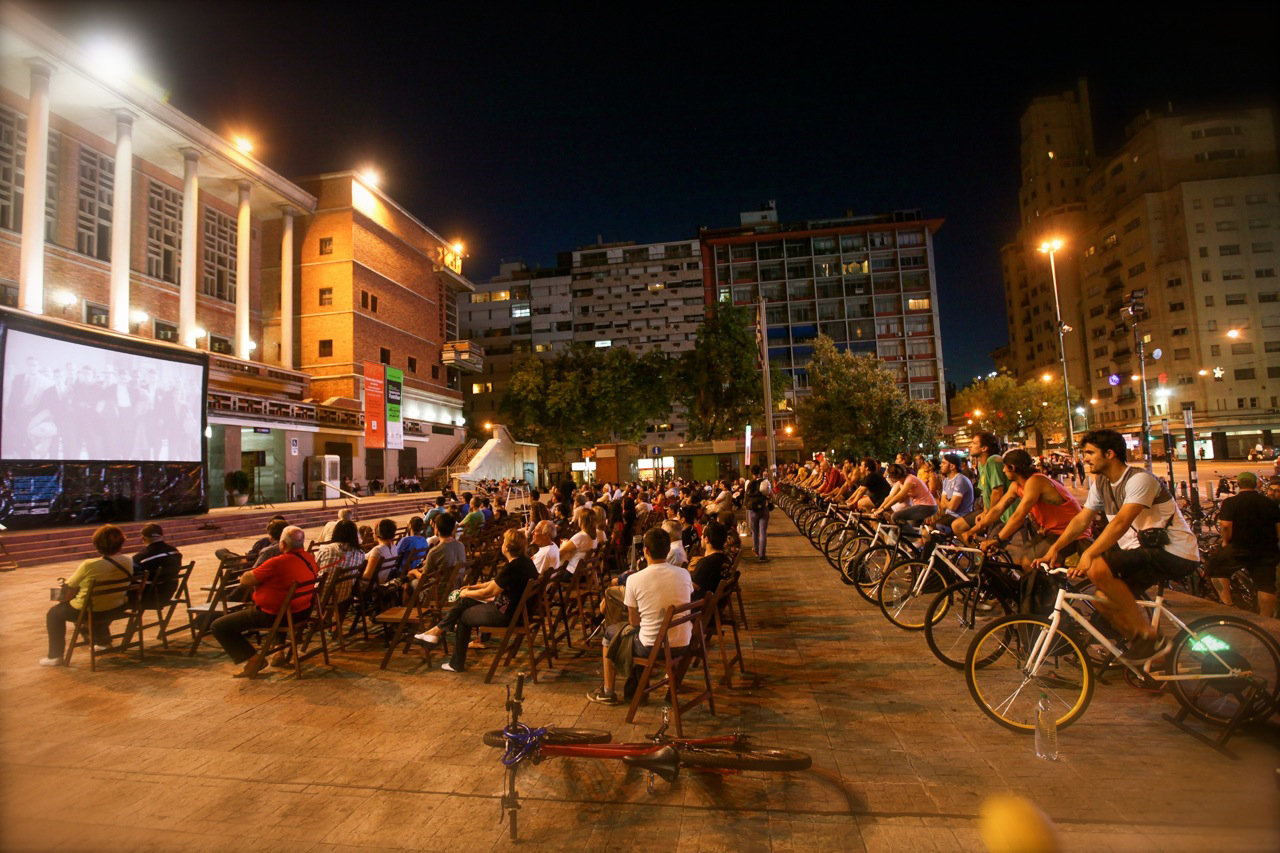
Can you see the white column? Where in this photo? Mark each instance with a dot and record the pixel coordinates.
(36, 168)
(121, 223)
(243, 248)
(189, 263)
(286, 287)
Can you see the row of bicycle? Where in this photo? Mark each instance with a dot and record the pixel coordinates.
(1026, 636)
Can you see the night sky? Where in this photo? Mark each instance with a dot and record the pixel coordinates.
(533, 131)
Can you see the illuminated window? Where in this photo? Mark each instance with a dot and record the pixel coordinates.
(519, 309)
(603, 344)
(95, 315)
(918, 305)
(481, 387)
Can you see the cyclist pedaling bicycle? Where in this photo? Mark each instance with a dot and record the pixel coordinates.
(1146, 539)
(1048, 503)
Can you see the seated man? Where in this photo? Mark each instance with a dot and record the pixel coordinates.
(344, 514)
(161, 563)
(548, 554)
(272, 548)
(872, 488)
(957, 493)
(474, 521)
(270, 582)
(649, 592)
(677, 556)
(448, 555)
(714, 565)
(252, 554)
(414, 546)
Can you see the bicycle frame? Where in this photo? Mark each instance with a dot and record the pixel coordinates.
(1040, 649)
(622, 750)
(960, 573)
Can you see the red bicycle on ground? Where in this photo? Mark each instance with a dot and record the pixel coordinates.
(659, 754)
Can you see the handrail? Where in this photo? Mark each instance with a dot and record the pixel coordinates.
(347, 496)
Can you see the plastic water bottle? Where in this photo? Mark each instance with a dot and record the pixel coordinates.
(1046, 730)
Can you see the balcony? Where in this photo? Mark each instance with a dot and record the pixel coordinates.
(463, 355)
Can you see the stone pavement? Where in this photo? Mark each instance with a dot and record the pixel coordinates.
(173, 754)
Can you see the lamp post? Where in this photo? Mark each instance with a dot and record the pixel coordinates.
(1136, 308)
(1050, 248)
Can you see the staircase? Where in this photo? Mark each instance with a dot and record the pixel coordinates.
(54, 545)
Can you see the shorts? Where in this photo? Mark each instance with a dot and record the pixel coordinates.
(1035, 547)
(1142, 568)
(1226, 561)
(637, 648)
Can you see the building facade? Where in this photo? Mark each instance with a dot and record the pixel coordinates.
(1184, 213)
(150, 225)
(866, 282)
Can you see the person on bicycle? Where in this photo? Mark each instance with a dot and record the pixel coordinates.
(984, 451)
(1049, 504)
(911, 490)
(1146, 539)
(872, 489)
(957, 493)
(1250, 526)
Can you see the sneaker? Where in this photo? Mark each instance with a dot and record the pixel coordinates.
(427, 637)
(52, 662)
(1144, 649)
(603, 698)
(101, 649)
(447, 668)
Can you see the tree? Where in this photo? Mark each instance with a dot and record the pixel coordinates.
(855, 407)
(719, 381)
(1002, 406)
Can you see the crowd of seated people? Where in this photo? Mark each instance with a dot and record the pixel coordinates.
(558, 532)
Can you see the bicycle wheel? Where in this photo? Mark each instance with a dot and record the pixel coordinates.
(850, 556)
(953, 617)
(834, 544)
(560, 737)
(996, 672)
(745, 758)
(1214, 644)
(868, 568)
(906, 591)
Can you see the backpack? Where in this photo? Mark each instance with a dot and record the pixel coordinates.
(755, 500)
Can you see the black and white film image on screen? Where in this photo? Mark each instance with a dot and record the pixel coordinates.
(65, 400)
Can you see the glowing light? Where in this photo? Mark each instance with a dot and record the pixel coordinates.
(1135, 377)
(252, 346)
(977, 413)
(1209, 643)
(1093, 401)
(1046, 377)
(1079, 410)
(488, 425)
(1234, 333)
(111, 58)
(1113, 379)
(370, 177)
(1203, 372)
(139, 317)
(788, 430)
(1052, 245)
(244, 145)
(64, 298)
(457, 247)
(200, 333)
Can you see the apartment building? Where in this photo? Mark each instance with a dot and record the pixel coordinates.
(1184, 211)
(639, 296)
(866, 282)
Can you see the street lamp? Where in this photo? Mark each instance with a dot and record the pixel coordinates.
(1135, 308)
(1050, 248)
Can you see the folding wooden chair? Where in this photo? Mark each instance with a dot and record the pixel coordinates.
(422, 611)
(371, 594)
(98, 631)
(336, 590)
(525, 626)
(202, 616)
(289, 623)
(166, 606)
(675, 666)
(718, 613)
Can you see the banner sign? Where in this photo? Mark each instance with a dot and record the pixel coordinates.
(395, 425)
(375, 406)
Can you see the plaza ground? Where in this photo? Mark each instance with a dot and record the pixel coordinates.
(173, 754)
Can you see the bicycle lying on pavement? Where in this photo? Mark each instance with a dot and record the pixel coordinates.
(659, 754)
(1223, 670)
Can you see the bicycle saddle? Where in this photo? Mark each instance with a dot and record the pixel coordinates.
(664, 761)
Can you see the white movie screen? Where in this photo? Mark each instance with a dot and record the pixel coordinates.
(70, 401)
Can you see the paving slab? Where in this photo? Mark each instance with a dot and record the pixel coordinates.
(171, 753)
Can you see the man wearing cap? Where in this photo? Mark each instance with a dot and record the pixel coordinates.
(1250, 525)
(957, 493)
(160, 562)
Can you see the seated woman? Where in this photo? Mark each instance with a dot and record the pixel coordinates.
(587, 539)
(490, 604)
(910, 489)
(343, 549)
(110, 567)
(385, 534)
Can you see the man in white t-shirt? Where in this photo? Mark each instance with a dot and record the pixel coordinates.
(649, 592)
(1131, 500)
(548, 554)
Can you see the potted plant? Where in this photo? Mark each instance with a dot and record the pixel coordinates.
(237, 485)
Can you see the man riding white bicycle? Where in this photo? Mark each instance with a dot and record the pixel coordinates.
(1146, 540)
